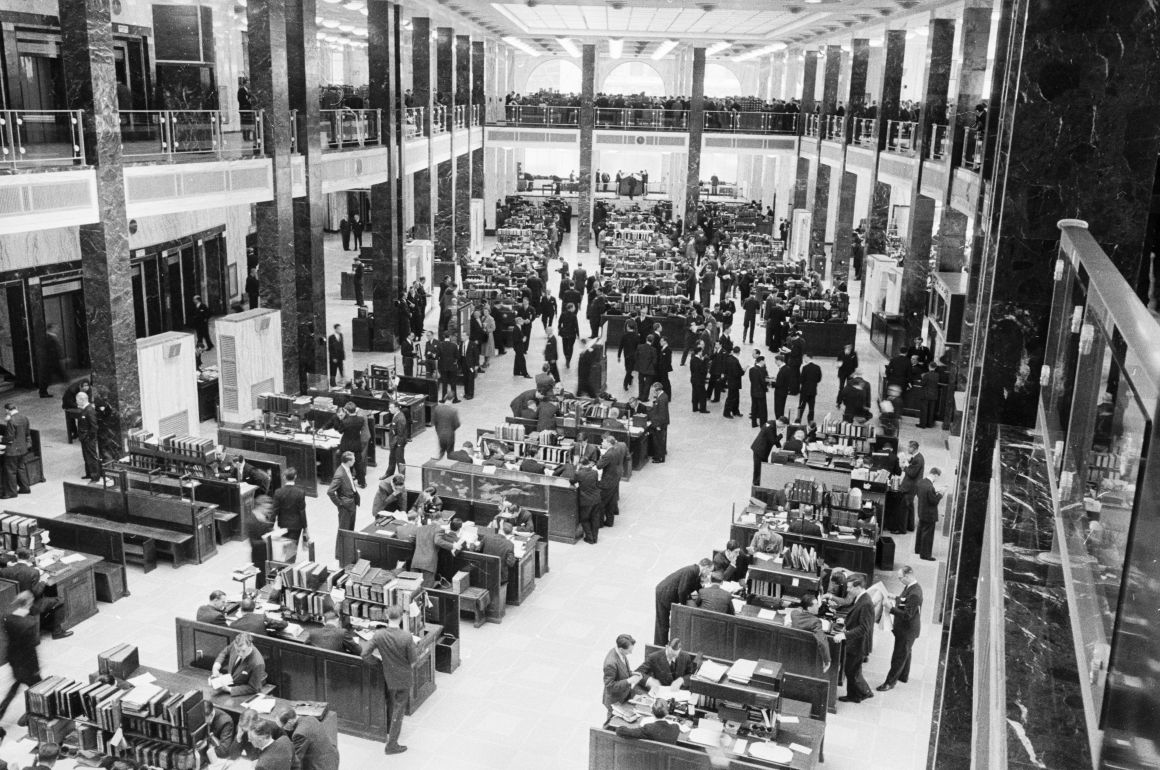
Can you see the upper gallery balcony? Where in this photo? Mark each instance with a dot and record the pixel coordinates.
(650, 119)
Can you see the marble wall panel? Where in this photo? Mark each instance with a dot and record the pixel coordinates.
(422, 87)
(463, 205)
(820, 217)
(801, 186)
(844, 225)
(809, 84)
(879, 219)
(385, 60)
(424, 223)
(859, 72)
(445, 71)
(831, 75)
(952, 234)
(445, 210)
(891, 88)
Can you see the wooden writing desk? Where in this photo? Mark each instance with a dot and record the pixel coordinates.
(75, 586)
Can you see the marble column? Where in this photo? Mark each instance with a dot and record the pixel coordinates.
(975, 32)
(303, 63)
(844, 226)
(269, 88)
(802, 180)
(462, 155)
(801, 187)
(478, 102)
(1067, 108)
(422, 96)
(920, 230)
(777, 76)
(385, 52)
(445, 170)
(951, 240)
(809, 83)
(856, 96)
(818, 221)
(696, 127)
(830, 78)
(587, 128)
(91, 85)
(891, 88)
(879, 218)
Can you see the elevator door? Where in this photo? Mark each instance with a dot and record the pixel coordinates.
(42, 88)
(15, 352)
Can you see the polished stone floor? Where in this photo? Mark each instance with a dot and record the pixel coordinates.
(529, 689)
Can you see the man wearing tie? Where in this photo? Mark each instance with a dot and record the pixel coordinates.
(927, 497)
(16, 441)
(344, 495)
(88, 433)
(336, 353)
(858, 635)
(618, 676)
(906, 613)
(468, 363)
(397, 652)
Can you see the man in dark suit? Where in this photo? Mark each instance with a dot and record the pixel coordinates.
(276, 753)
(243, 663)
(715, 598)
(448, 356)
(611, 466)
(398, 434)
(699, 379)
(357, 273)
(758, 387)
(658, 423)
(215, 611)
(336, 354)
(927, 498)
(808, 379)
(660, 729)
(677, 588)
(645, 361)
(495, 544)
(355, 435)
(345, 497)
(88, 432)
(312, 746)
(236, 468)
(252, 287)
(290, 506)
(16, 446)
(930, 388)
(906, 612)
(587, 485)
(397, 651)
(854, 398)
(28, 578)
(805, 618)
(356, 231)
(332, 636)
(468, 364)
(618, 676)
(734, 373)
(199, 316)
(858, 635)
(912, 473)
(253, 622)
(23, 634)
(670, 667)
(584, 449)
(629, 341)
(762, 446)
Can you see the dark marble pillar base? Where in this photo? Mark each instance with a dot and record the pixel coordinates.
(844, 226)
(422, 204)
(463, 205)
(952, 234)
(879, 219)
(916, 263)
(445, 213)
(801, 184)
(820, 216)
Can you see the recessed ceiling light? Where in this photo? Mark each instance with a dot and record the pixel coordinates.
(615, 47)
(718, 47)
(515, 42)
(354, 5)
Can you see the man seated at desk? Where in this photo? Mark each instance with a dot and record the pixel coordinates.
(465, 454)
(313, 749)
(255, 622)
(732, 562)
(530, 464)
(796, 445)
(715, 598)
(235, 468)
(805, 618)
(519, 517)
(391, 496)
(767, 540)
(669, 666)
(496, 544)
(834, 586)
(612, 420)
(359, 386)
(530, 411)
(428, 503)
(658, 728)
(332, 636)
(244, 666)
(29, 578)
(215, 611)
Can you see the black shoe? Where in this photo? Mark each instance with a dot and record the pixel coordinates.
(455, 401)
(23, 721)
(927, 558)
(884, 687)
(7, 497)
(61, 634)
(728, 416)
(24, 492)
(657, 461)
(849, 699)
(46, 394)
(396, 749)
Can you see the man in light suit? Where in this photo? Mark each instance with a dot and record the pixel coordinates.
(336, 353)
(911, 475)
(677, 588)
(715, 598)
(927, 497)
(397, 652)
(618, 677)
(343, 494)
(858, 635)
(670, 667)
(312, 746)
(906, 611)
(16, 446)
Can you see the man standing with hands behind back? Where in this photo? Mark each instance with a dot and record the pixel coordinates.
(906, 612)
(16, 435)
(396, 649)
(927, 497)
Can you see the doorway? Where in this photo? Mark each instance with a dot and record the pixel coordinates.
(64, 307)
(15, 351)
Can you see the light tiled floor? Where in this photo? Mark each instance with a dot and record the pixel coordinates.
(529, 689)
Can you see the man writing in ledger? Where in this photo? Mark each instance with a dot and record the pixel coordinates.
(667, 667)
(396, 649)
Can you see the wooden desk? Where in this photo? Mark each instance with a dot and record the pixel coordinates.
(522, 575)
(739, 636)
(777, 475)
(855, 556)
(302, 456)
(75, 586)
(352, 687)
(608, 751)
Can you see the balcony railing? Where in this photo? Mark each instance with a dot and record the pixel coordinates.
(439, 119)
(900, 136)
(348, 129)
(476, 115)
(938, 148)
(176, 134)
(972, 148)
(413, 122)
(459, 114)
(647, 118)
(834, 128)
(35, 138)
(750, 122)
(865, 132)
(537, 115)
(813, 125)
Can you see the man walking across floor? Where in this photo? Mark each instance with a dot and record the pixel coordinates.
(290, 505)
(646, 366)
(699, 379)
(336, 354)
(397, 652)
(808, 380)
(906, 612)
(627, 349)
(16, 446)
(448, 356)
(200, 319)
(858, 636)
(397, 436)
(927, 497)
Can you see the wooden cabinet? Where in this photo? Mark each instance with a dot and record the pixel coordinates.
(79, 594)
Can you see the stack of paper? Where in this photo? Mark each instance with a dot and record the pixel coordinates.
(712, 671)
(742, 670)
(262, 704)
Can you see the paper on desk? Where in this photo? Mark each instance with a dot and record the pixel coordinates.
(732, 586)
(72, 557)
(766, 614)
(788, 720)
(737, 605)
(140, 679)
(220, 681)
(262, 704)
(293, 629)
(739, 747)
(800, 749)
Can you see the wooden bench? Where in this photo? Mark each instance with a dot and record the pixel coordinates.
(120, 542)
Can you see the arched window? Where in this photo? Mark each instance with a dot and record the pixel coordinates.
(554, 75)
(634, 77)
(721, 82)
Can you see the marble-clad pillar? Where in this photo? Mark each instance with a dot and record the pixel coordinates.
(856, 96)
(445, 170)
(916, 262)
(940, 46)
(303, 67)
(696, 127)
(801, 187)
(479, 103)
(844, 226)
(818, 221)
(975, 32)
(422, 96)
(384, 24)
(269, 88)
(587, 128)
(951, 240)
(91, 85)
(802, 180)
(462, 156)
(1074, 111)
(445, 72)
(777, 75)
(890, 101)
(830, 77)
(809, 83)
(879, 218)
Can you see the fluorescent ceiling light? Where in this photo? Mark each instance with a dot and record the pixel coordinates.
(875, 42)
(515, 42)
(406, 23)
(361, 31)
(758, 52)
(615, 47)
(354, 5)
(347, 28)
(717, 48)
(569, 46)
(663, 49)
(333, 2)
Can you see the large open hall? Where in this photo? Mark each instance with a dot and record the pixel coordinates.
(651, 385)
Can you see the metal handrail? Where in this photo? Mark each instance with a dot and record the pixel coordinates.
(413, 122)
(15, 141)
(813, 125)
(439, 119)
(937, 147)
(172, 133)
(900, 136)
(656, 119)
(750, 122)
(352, 128)
(865, 132)
(972, 148)
(835, 127)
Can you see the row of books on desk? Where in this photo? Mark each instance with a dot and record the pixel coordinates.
(21, 532)
(741, 671)
(190, 446)
(153, 709)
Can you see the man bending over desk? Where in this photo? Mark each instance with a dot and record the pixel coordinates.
(668, 667)
(244, 665)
